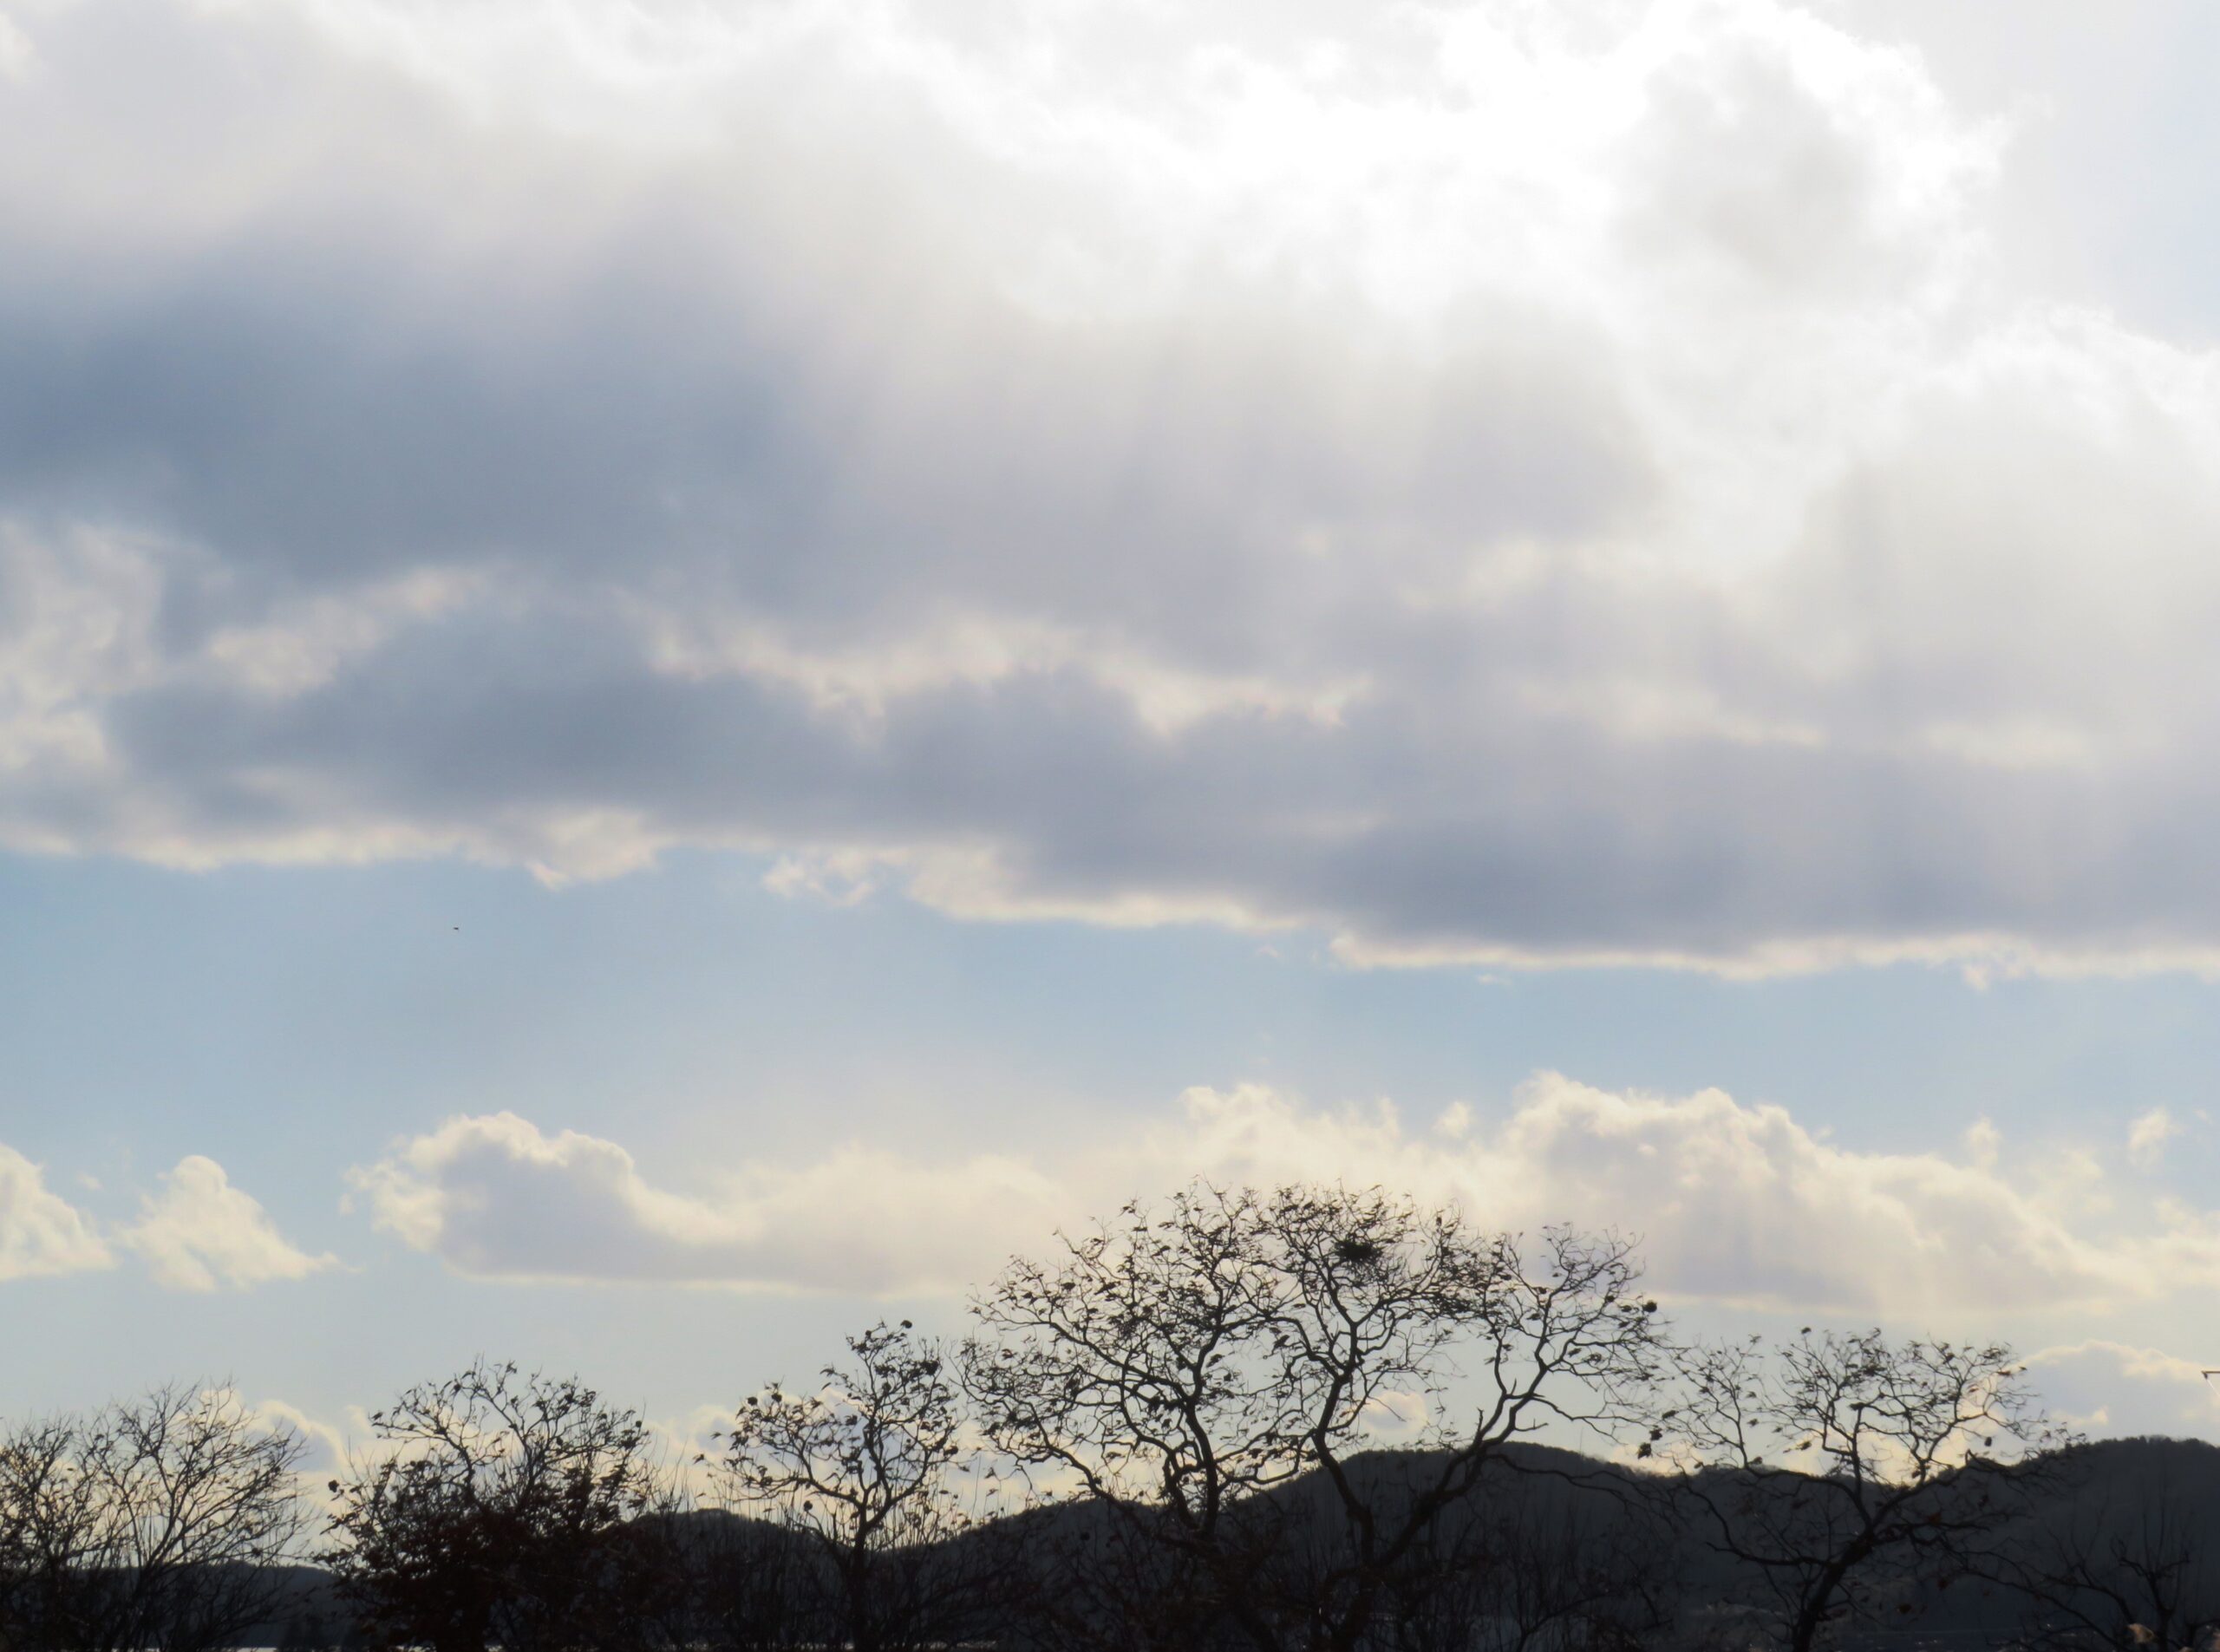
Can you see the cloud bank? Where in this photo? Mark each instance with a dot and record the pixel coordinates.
(1734, 1204)
(1487, 482)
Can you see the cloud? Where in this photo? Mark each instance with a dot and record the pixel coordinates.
(40, 1232)
(1396, 1416)
(198, 1232)
(494, 1196)
(325, 1446)
(1734, 1204)
(201, 1232)
(2148, 1136)
(2105, 1387)
(1489, 483)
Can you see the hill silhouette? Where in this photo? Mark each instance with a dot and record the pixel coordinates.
(2101, 1501)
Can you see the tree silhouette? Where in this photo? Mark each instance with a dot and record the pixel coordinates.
(1549, 1566)
(156, 1523)
(503, 1510)
(2121, 1574)
(1168, 1435)
(1833, 1467)
(1178, 1368)
(748, 1587)
(868, 1469)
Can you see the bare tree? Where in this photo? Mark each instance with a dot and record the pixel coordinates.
(2121, 1575)
(872, 1468)
(503, 1510)
(158, 1523)
(44, 1513)
(1179, 1368)
(748, 1587)
(1834, 1467)
(1548, 1568)
(1094, 1582)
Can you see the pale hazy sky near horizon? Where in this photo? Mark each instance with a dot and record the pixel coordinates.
(672, 672)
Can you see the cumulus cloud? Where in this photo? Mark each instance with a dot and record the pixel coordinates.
(201, 1232)
(496, 1196)
(40, 1232)
(1735, 1204)
(196, 1233)
(1485, 482)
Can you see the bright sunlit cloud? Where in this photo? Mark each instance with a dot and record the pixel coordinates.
(201, 1232)
(1734, 1204)
(197, 1233)
(40, 1232)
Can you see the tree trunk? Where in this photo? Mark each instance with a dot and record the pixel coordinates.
(1813, 1613)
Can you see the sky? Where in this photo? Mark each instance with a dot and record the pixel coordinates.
(673, 673)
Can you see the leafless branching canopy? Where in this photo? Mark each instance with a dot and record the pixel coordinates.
(155, 1523)
(2137, 1572)
(1179, 1366)
(1845, 1466)
(876, 1468)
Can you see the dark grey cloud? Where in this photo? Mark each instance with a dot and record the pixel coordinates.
(1199, 479)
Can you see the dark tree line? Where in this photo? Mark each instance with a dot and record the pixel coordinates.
(1164, 1435)
(159, 1522)
(503, 1510)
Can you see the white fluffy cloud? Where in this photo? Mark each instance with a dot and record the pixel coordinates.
(196, 1233)
(1737, 1205)
(1483, 482)
(496, 1196)
(200, 1232)
(40, 1232)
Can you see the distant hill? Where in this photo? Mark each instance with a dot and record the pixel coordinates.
(2107, 1495)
